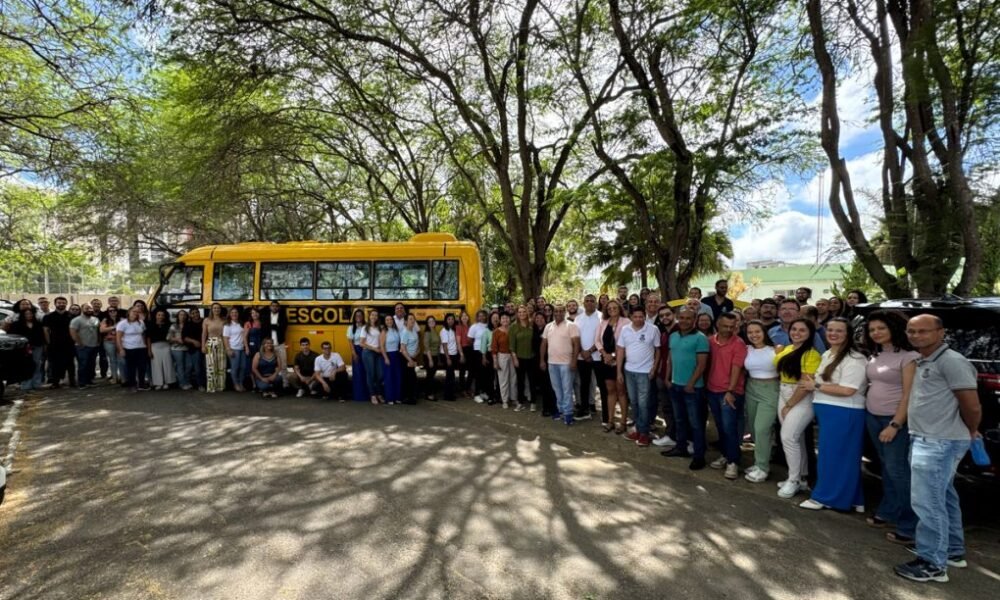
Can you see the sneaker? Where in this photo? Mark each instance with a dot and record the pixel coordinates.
(756, 476)
(921, 571)
(643, 440)
(958, 561)
(632, 436)
(663, 441)
(479, 399)
(301, 393)
(690, 447)
(505, 406)
(582, 416)
(732, 471)
(789, 488)
(532, 407)
(697, 464)
(719, 463)
(569, 421)
(811, 504)
(518, 407)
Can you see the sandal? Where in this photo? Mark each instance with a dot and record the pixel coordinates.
(896, 538)
(874, 521)
(607, 427)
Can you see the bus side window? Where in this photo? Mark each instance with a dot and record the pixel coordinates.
(233, 281)
(444, 276)
(343, 280)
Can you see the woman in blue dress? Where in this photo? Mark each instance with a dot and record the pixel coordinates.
(355, 333)
(392, 372)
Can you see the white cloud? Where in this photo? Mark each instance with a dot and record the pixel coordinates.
(789, 236)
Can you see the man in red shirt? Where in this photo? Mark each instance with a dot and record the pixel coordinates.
(726, 380)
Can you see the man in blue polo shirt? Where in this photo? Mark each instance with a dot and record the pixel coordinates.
(688, 359)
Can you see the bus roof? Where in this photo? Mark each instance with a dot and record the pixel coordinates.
(424, 244)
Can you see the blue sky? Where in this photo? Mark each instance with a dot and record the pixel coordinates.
(790, 234)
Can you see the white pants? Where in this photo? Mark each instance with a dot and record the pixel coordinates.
(792, 427)
(280, 350)
(507, 377)
(161, 367)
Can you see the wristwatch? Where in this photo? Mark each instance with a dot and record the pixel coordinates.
(816, 385)
(895, 425)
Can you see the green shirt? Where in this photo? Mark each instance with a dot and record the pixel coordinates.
(520, 341)
(432, 341)
(485, 340)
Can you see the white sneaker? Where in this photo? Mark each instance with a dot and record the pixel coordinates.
(478, 399)
(664, 440)
(532, 407)
(789, 489)
(505, 406)
(300, 393)
(732, 471)
(811, 504)
(691, 448)
(756, 476)
(719, 463)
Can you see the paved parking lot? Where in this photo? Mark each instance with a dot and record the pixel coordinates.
(179, 495)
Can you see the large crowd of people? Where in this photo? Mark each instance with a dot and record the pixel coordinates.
(765, 373)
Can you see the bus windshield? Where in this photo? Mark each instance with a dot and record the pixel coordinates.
(183, 284)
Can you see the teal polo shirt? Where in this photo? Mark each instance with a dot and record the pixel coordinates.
(684, 351)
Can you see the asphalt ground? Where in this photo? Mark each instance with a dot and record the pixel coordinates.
(189, 495)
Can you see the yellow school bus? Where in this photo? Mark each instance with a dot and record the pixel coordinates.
(319, 285)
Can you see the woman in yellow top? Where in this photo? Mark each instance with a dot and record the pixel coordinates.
(796, 362)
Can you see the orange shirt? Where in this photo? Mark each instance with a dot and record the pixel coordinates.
(501, 341)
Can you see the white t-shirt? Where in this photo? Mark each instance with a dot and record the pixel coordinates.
(852, 373)
(355, 334)
(327, 366)
(234, 331)
(371, 335)
(132, 334)
(640, 347)
(588, 331)
(760, 363)
(450, 341)
(274, 326)
(475, 332)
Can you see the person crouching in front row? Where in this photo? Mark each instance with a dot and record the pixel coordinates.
(331, 374)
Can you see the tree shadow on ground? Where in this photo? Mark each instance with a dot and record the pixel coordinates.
(195, 496)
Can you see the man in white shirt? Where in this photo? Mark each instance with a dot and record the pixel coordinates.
(652, 308)
(474, 361)
(399, 315)
(587, 322)
(638, 350)
(330, 372)
(275, 324)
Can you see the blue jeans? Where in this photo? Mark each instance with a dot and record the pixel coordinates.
(562, 384)
(116, 364)
(86, 362)
(640, 401)
(196, 364)
(38, 376)
(373, 371)
(689, 412)
(895, 457)
(181, 367)
(239, 364)
(728, 421)
(932, 493)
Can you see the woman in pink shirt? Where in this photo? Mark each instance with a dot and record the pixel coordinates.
(890, 372)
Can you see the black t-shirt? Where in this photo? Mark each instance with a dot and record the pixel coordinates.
(157, 333)
(191, 330)
(306, 363)
(718, 309)
(58, 324)
(35, 334)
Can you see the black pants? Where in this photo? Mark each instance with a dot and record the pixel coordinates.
(102, 360)
(340, 388)
(449, 377)
(61, 362)
(466, 376)
(525, 377)
(666, 407)
(486, 377)
(584, 370)
(473, 364)
(136, 365)
(409, 384)
(430, 381)
(544, 389)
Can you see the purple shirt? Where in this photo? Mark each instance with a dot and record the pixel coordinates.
(885, 376)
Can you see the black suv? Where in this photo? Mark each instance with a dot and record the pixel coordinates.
(973, 329)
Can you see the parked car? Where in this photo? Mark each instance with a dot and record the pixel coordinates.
(15, 362)
(973, 329)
